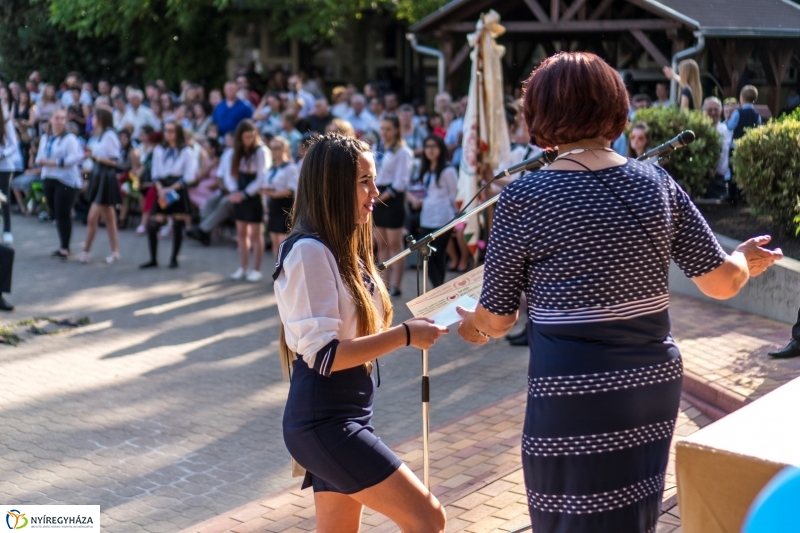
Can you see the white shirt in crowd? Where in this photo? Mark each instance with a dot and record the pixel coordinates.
(340, 110)
(308, 101)
(723, 166)
(365, 121)
(224, 168)
(173, 162)
(313, 303)
(68, 152)
(10, 156)
(67, 99)
(283, 177)
(138, 118)
(107, 146)
(394, 168)
(439, 204)
(258, 163)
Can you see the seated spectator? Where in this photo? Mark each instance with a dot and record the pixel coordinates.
(289, 132)
(201, 118)
(342, 127)
(318, 120)
(436, 125)
(128, 181)
(268, 114)
(341, 105)
(413, 135)
(639, 140)
(138, 115)
(232, 110)
(207, 181)
(662, 95)
(77, 112)
(217, 208)
(22, 185)
(360, 117)
(641, 101)
(377, 108)
(120, 107)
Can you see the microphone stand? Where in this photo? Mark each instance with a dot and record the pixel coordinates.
(424, 248)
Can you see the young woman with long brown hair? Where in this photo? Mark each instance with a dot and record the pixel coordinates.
(103, 190)
(249, 165)
(336, 316)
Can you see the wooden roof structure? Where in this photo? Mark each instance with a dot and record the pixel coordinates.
(734, 32)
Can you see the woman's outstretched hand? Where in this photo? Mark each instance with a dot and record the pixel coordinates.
(424, 333)
(758, 258)
(467, 329)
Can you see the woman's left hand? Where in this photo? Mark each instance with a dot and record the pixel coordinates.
(467, 329)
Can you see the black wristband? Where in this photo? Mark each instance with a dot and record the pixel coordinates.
(408, 334)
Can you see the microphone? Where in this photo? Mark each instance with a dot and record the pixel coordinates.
(533, 163)
(684, 138)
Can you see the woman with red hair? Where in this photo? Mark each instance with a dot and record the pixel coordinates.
(589, 241)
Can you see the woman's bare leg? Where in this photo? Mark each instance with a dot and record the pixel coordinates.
(92, 220)
(395, 241)
(110, 216)
(244, 244)
(257, 242)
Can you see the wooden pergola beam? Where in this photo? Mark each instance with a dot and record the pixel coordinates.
(600, 10)
(537, 10)
(459, 58)
(573, 9)
(650, 47)
(555, 6)
(574, 26)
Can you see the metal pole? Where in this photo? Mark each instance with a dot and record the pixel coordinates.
(426, 388)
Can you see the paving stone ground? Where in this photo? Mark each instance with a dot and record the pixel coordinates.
(166, 410)
(475, 474)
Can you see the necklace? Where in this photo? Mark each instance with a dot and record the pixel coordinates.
(581, 150)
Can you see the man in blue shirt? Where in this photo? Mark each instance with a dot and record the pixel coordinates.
(231, 110)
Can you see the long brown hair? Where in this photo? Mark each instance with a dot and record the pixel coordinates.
(2, 126)
(325, 205)
(238, 146)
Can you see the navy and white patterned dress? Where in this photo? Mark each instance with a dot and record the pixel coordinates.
(605, 376)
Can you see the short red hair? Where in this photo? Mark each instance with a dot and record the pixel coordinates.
(573, 96)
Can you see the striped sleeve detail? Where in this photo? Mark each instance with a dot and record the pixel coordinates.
(323, 362)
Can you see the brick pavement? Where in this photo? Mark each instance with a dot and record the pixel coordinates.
(166, 410)
(475, 473)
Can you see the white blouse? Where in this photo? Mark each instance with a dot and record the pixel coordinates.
(258, 163)
(439, 205)
(314, 305)
(107, 146)
(283, 177)
(67, 151)
(394, 169)
(168, 162)
(11, 158)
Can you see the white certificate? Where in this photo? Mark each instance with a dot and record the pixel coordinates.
(440, 303)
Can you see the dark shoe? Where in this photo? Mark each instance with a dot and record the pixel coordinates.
(519, 340)
(791, 350)
(199, 235)
(149, 264)
(523, 333)
(58, 254)
(394, 291)
(4, 305)
(173, 264)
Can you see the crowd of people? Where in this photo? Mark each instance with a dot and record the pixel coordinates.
(192, 162)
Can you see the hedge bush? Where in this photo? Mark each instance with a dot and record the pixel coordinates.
(692, 166)
(766, 165)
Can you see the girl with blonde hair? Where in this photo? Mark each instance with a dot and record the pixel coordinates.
(688, 78)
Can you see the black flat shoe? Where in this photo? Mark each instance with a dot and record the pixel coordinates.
(394, 291)
(791, 350)
(523, 333)
(149, 264)
(58, 254)
(521, 340)
(4, 305)
(173, 264)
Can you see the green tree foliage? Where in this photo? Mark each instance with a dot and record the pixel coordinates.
(29, 42)
(767, 168)
(692, 166)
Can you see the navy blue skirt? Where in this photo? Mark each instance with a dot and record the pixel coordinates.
(327, 430)
(598, 427)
